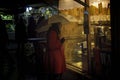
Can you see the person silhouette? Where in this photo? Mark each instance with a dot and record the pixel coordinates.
(21, 39)
(55, 51)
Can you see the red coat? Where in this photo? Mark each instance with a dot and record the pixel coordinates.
(56, 57)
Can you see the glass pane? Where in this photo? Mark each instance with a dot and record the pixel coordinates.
(74, 43)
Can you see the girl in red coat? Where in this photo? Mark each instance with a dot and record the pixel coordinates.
(55, 52)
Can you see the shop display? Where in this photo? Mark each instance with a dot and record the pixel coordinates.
(75, 54)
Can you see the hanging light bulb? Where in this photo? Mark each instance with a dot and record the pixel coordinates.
(68, 4)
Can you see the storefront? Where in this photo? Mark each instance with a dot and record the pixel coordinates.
(79, 39)
(88, 28)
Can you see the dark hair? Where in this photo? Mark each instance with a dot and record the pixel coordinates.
(55, 26)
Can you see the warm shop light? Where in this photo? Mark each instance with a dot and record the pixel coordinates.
(97, 2)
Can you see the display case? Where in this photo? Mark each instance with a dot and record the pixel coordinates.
(79, 45)
(75, 44)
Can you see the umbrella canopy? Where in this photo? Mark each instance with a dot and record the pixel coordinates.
(70, 18)
(57, 18)
(52, 19)
(43, 28)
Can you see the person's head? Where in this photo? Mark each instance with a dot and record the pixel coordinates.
(56, 27)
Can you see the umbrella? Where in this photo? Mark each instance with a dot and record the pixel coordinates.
(70, 18)
(57, 18)
(52, 19)
(43, 28)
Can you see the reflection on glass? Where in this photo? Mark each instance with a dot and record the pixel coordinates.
(74, 52)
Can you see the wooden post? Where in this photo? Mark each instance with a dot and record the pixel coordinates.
(86, 31)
